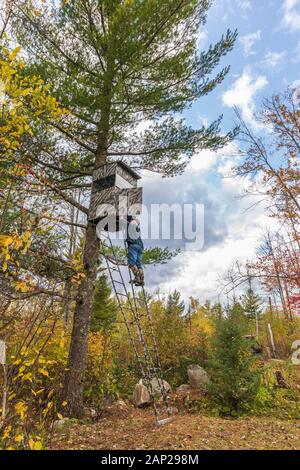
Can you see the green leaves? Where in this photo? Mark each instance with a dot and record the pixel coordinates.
(169, 143)
(154, 255)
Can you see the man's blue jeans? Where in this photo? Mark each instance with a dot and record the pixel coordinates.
(135, 255)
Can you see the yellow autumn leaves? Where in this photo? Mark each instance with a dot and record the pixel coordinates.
(10, 245)
(23, 99)
(35, 376)
(33, 443)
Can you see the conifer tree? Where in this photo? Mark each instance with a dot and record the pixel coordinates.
(104, 308)
(234, 383)
(174, 304)
(251, 304)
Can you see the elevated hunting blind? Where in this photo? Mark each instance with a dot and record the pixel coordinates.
(115, 192)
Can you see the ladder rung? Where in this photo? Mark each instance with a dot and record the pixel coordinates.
(117, 282)
(161, 422)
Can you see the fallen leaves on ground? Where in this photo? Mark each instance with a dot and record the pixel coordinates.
(137, 430)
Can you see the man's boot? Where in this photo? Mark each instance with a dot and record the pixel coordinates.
(136, 272)
(141, 280)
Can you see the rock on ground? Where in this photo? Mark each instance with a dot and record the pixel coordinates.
(60, 423)
(198, 376)
(141, 395)
(184, 388)
(156, 386)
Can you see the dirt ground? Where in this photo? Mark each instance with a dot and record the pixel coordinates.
(135, 429)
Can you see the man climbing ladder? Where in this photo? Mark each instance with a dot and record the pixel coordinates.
(135, 247)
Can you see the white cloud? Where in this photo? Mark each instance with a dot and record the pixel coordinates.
(291, 14)
(221, 160)
(202, 161)
(196, 273)
(248, 42)
(242, 94)
(274, 59)
(231, 230)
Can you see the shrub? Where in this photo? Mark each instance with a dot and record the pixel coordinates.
(234, 382)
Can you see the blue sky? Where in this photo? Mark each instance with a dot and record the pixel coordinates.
(265, 60)
(267, 49)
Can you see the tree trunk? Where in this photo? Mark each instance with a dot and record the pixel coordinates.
(74, 380)
(272, 340)
(257, 326)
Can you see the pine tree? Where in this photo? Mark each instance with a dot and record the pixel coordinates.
(214, 311)
(117, 64)
(234, 383)
(174, 304)
(218, 311)
(104, 308)
(251, 303)
(251, 306)
(236, 311)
